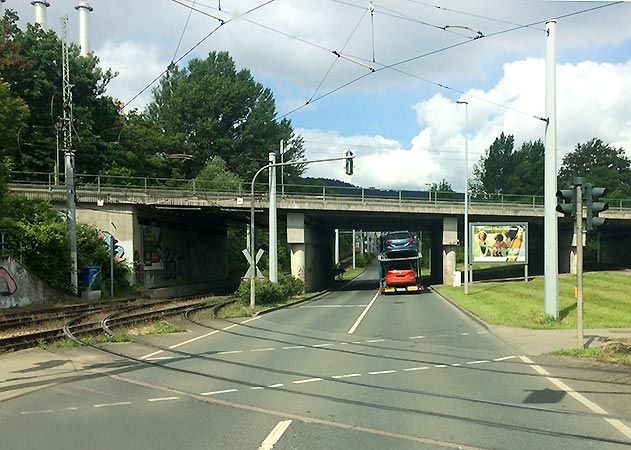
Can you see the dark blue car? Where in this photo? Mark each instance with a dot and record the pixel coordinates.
(399, 244)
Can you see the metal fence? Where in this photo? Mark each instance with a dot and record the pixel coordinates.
(122, 185)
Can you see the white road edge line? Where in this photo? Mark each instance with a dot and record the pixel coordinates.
(617, 424)
(274, 435)
(361, 316)
(157, 352)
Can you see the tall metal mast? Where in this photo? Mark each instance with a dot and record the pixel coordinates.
(69, 154)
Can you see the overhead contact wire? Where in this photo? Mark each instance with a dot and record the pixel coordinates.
(188, 18)
(200, 42)
(335, 60)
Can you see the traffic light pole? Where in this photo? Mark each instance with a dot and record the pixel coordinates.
(579, 266)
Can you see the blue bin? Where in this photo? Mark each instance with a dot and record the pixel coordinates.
(91, 278)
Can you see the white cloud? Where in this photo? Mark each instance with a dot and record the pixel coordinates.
(593, 100)
(135, 64)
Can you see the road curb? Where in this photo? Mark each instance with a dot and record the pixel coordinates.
(463, 310)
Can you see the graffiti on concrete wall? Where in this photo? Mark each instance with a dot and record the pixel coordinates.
(8, 286)
(173, 263)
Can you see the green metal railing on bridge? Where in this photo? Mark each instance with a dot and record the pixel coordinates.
(124, 185)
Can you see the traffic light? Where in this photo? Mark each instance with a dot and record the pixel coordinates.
(594, 207)
(567, 202)
(348, 162)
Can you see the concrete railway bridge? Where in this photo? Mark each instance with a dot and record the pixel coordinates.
(175, 238)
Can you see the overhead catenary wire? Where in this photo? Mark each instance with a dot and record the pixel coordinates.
(442, 49)
(188, 18)
(335, 60)
(190, 50)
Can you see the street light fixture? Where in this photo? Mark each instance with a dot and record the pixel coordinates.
(466, 197)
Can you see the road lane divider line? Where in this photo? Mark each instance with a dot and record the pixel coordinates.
(361, 316)
(372, 341)
(322, 345)
(348, 375)
(441, 365)
(230, 352)
(197, 338)
(276, 385)
(269, 349)
(162, 399)
(481, 361)
(274, 435)
(617, 424)
(105, 405)
(257, 388)
(41, 411)
(504, 358)
(417, 337)
(381, 372)
(456, 365)
(411, 369)
(464, 334)
(224, 391)
(290, 347)
(308, 380)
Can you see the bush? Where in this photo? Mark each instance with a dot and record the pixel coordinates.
(268, 293)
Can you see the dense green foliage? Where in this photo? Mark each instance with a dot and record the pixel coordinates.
(504, 170)
(37, 236)
(268, 293)
(601, 164)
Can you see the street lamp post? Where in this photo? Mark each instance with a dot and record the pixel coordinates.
(466, 197)
(252, 252)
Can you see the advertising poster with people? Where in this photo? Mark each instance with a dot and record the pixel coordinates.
(499, 243)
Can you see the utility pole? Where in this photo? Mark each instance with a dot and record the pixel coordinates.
(69, 155)
(550, 227)
(273, 221)
(579, 182)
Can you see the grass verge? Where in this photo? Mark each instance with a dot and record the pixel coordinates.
(521, 304)
(351, 273)
(615, 351)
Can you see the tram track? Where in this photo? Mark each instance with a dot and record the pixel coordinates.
(91, 320)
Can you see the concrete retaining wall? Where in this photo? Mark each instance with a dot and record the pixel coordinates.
(18, 287)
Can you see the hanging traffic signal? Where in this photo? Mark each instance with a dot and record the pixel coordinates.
(567, 202)
(348, 162)
(594, 207)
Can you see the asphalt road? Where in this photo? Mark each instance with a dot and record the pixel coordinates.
(351, 370)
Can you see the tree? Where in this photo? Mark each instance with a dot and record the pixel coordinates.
(601, 164)
(502, 170)
(13, 113)
(216, 176)
(211, 109)
(443, 186)
(30, 61)
(492, 169)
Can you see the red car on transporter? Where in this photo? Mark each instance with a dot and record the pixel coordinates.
(401, 273)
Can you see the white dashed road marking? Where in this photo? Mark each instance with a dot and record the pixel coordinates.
(417, 337)
(275, 435)
(41, 411)
(276, 385)
(411, 369)
(478, 362)
(231, 352)
(504, 358)
(162, 399)
(382, 372)
(308, 380)
(294, 346)
(105, 405)
(225, 391)
(348, 375)
(264, 349)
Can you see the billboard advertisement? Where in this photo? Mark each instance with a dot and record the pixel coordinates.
(499, 243)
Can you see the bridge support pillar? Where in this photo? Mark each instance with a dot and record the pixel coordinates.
(450, 244)
(311, 252)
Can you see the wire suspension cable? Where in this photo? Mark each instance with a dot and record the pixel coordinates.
(335, 60)
(188, 18)
(200, 42)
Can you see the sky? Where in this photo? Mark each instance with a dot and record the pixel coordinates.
(391, 95)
